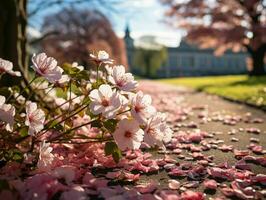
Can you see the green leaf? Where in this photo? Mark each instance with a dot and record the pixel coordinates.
(76, 90)
(24, 131)
(85, 75)
(117, 155)
(54, 125)
(109, 148)
(69, 69)
(17, 156)
(110, 124)
(4, 91)
(96, 124)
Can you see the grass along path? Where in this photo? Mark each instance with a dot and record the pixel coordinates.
(251, 90)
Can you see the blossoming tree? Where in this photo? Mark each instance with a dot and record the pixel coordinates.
(223, 24)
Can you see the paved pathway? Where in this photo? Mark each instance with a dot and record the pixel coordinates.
(233, 126)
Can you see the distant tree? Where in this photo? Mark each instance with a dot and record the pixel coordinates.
(148, 61)
(79, 32)
(223, 24)
(14, 19)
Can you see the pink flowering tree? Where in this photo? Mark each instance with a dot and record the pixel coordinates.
(223, 24)
(72, 106)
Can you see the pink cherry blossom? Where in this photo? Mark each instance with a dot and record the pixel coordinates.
(242, 165)
(191, 195)
(34, 119)
(173, 184)
(253, 130)
(47, 67)
(195, 136)
(257, 149)
(217, 172)
(113, 175)
(131, 177)
(7, 67)
(141, 108)
(167, 195)
(105, 100)
(156, 131)
(7, 113)
(148, 187)
(66, 172)
(228, 192)
(210, 184)
(128, 134)
(45, 156)
(93, 182)
(41, 186)
(260, 178)
(124, 81)
(76, 192)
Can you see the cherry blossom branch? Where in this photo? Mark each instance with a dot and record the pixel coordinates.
(77, 111)
(85, 142)
(123, 112)
(27, 86)
(66, 102)
(75, 128)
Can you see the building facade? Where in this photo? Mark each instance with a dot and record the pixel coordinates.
(189, 60)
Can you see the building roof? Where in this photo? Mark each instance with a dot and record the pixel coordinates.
(187, 47)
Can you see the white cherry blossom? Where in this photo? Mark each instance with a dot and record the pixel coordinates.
(34, 118)
(19, 98)
(63, 80)
(76, 65)
(45, 156)
(93, 76)
(128, 134)
(102, 57)
(141, 108)
(7, 113)
(121, 79)
(156, 130)
(40, 85)
(47, 67)
(105, 101)
(7, 67)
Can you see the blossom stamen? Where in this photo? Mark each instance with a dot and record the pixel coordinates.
(128, 134)
(105, 102)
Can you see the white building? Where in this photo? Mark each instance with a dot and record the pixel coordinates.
(189, 60)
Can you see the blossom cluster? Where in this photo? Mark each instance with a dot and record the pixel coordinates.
(70, 104)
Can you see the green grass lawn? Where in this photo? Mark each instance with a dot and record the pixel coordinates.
(251, 90)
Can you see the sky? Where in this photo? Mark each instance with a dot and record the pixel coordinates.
(144, 17)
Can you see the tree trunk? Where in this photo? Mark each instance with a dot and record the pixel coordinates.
(13, 22)
(22, 35)
(258, 62)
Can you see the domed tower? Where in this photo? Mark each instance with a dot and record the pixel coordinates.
(129, 42)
